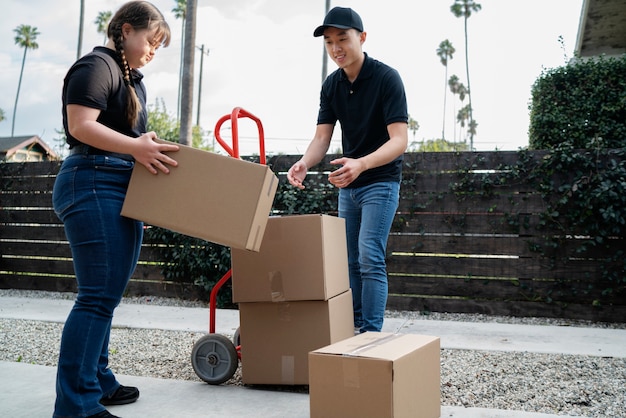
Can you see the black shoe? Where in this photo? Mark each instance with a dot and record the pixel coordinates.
(103, 414)
(122, 396)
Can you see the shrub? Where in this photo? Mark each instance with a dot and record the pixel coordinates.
(580, 103)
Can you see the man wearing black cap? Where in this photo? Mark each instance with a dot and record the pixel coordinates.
(367, 98)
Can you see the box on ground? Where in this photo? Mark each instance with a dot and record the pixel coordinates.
(302, 257)
(376, 375)
(209, 196)
(276, 337)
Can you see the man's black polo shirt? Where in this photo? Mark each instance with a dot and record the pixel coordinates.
(364, 109)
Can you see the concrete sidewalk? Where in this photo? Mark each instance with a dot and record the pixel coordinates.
(28, 390)
(454, 335)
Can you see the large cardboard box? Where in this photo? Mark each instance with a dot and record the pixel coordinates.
(302, 257)
(209, 196)
(276, 337)
(378, 375)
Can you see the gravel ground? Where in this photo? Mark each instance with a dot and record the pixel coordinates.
(547, 383)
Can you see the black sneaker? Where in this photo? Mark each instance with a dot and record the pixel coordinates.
(103, 414)
(122, 396)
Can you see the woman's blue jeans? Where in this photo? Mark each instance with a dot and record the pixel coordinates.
(88, 195)
(368, 212)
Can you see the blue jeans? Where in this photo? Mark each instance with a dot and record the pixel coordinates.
(88, 195)
(369, 213)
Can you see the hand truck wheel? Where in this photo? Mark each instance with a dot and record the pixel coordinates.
(237, 337)
(214, 359)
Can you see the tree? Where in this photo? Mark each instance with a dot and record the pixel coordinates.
(1, 115)
(180, 12)
(167, 127)
(463, 116)
(186, 96)
(25, 37)
(464, 8)
(439, 145)
(445, 52)
(413, 126)
(456, 87)
(102, 23)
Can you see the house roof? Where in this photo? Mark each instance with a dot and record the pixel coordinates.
(11, 144)
(602, 28)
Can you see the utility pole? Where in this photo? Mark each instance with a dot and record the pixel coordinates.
(186, 104)
(200, 81)
(324, 54)
(80, 29)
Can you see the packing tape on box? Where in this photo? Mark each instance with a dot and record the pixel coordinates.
(276, 286)
(350, 368)
(288, 370)
(375, 343)
(284, 311)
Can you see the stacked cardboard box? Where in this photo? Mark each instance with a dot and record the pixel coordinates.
(294, 297)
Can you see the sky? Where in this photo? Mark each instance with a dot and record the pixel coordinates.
(261, 55)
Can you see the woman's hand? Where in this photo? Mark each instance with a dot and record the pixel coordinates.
(152, 155)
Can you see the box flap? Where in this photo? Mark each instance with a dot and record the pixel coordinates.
(378, 345)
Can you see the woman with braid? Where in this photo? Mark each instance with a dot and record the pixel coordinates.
(104, 117)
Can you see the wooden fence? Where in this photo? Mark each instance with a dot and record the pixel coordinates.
(450, 250)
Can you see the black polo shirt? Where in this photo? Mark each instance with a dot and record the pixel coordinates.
(364, 108)
(96, 81)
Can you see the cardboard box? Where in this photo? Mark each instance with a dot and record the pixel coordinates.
(276, 337)
(302, 257)
(209, 196)
(378, 375)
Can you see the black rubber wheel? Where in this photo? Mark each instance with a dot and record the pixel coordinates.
(237, 337)
(214, 359)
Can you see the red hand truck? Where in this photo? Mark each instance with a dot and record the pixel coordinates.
(214, 357)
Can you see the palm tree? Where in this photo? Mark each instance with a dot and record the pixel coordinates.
(79, 48)
(471, 128)
(456, 87)
(464, 115)
(102, 22)
(464, 8)
(445, 52)
(180, 12)
(413, 126)
(25, 37)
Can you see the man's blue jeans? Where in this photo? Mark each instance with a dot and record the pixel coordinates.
(88, 195)
(369, 213)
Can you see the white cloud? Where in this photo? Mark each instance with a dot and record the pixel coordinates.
(263, 57)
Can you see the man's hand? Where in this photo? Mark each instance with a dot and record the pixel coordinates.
(348, 172)
(297, 173)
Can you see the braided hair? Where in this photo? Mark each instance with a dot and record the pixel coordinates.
(140, 15)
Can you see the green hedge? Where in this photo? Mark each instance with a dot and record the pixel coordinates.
(582, 104)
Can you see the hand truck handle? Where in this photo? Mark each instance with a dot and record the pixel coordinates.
(234, 117)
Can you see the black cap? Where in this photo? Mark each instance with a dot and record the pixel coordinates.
(342, 18)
